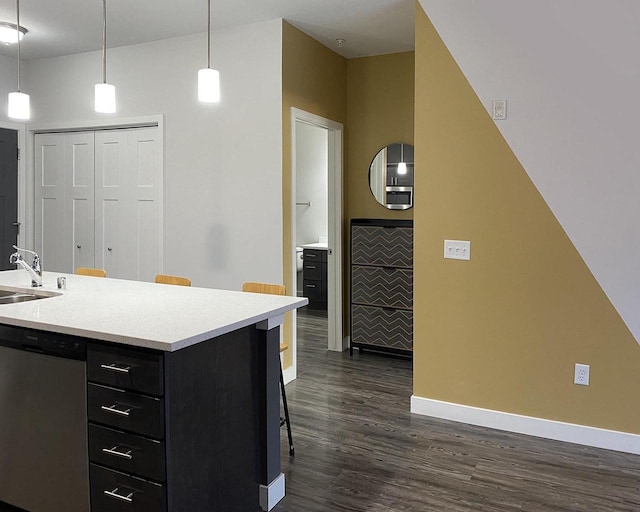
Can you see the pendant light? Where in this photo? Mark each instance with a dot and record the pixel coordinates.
(18, 101)
(8, 34)
(208, 79)
(105, 94)
(402, 166)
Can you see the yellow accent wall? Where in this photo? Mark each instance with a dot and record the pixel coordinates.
(504, 330)
(380, 112)
(314, 79)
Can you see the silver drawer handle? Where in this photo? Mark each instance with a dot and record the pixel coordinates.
(310, 285)
(113, 368)
(114, 451)
(311, 266)
(114, 494)
(114, 409)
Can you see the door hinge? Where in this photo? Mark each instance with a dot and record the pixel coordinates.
(18, 153)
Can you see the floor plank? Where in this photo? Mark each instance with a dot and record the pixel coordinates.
(358, 448)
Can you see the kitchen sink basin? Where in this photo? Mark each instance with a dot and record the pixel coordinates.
(16, 296)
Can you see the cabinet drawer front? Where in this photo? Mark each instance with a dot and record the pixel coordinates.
(390, 328)
(311, 255)
(112, 491)
(127, 452)
(125, 368)
(312, 289)
(312, 270)
(382, 286)
(125, 410)
(386, 246)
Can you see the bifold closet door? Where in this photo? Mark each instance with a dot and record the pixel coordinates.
(128, 200)
(64, 200)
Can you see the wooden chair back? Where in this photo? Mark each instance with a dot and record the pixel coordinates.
(93, 272)
(177, 280)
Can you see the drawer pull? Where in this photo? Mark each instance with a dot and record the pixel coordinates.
(113, 367)
(311, 266)
(114, 451)
(310, 285)
(114, 494)
(310, 255)
(114, 410)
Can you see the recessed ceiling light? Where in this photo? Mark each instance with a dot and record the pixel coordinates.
(8, 33)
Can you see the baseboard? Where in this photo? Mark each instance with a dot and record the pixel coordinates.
(549, 429)
(271, 494)
(289, 374)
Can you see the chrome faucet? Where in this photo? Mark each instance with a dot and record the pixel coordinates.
(35, 270)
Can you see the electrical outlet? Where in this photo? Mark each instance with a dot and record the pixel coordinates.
(581, 374)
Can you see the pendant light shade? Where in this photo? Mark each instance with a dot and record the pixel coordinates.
(18, 102)
(208, 79)
(105, 94)
(402, 168)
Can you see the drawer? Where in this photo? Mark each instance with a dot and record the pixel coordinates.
(312, 289)
(384, 327)
(112, 491)
(379, 245)
(317, 255)
(382, 286)
(127, 452)
(312, 270)
(126, 410)
(125, 368)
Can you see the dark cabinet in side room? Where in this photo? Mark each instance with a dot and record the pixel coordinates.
(382, 285)
(314, 275)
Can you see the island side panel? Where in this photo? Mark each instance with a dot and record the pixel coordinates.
(214, 393)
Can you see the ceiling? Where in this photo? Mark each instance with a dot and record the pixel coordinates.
(64, 27)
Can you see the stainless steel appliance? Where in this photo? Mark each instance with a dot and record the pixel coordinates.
(399, 198)
(43, 421)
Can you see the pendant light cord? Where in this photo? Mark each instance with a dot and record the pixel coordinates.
(209, 34)
(18, 34)
(104, 41)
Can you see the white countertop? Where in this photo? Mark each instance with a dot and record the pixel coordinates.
(316, 245)
(157, 316)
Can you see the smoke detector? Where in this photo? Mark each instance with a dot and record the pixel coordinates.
(340, 42)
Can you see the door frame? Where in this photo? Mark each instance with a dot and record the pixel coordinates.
(22, 184)
(335, 339)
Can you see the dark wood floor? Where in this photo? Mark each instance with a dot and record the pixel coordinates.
(358, 448)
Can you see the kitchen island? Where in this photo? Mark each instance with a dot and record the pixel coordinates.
(180, 387)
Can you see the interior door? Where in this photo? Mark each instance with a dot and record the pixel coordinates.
(8, 195)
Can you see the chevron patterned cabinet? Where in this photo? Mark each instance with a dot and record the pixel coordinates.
(382, 285)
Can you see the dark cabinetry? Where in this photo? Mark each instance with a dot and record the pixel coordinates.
(184, 430)
(314, 275)
(382, 285)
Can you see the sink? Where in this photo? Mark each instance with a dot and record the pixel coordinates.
(9, 296)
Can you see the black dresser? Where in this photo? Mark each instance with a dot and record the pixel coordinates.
(382, 285)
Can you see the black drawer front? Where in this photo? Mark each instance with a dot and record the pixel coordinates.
(384, 246)
(127, 452)
(390, 328)
(125, 368)
(112, 491)
(382, 286)
(312, 270)
(311, 255)
(312, 289)
(125, 410)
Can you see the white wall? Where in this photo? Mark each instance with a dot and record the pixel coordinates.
(8, 83)
(312, 183)
(571, 75)
(223, 163)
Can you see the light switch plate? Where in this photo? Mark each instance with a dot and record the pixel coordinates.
(457, 249)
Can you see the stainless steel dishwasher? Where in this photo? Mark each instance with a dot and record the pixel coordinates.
(43, 421)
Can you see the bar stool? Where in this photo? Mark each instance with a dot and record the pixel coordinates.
(177, 280)
(275, 289)
(93, 272)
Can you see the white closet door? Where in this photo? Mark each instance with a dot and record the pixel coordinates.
(128, 191)
(49, 201)
(79, 202)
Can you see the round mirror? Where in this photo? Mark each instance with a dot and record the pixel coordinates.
(391, 176)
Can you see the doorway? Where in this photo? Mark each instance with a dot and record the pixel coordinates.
(331, 132)
(9, 225)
